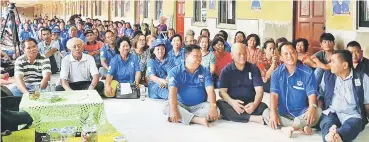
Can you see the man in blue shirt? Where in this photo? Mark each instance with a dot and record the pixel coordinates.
(158, 68)
(191, 91)
(107, 53)
(241, 89)
(72, 33)
(26, 33)
(344, 99)
(293, 94)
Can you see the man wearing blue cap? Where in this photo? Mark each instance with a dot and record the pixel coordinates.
(158, 68)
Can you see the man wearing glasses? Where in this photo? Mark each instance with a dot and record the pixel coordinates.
(78, 70)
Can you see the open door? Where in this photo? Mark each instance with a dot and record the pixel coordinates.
(180, 13)
(309, 22)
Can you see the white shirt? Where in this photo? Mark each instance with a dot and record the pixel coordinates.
(75, 71)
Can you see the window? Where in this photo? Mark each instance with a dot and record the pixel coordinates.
(121, 8)
(86, 8)
(158, 9)
(145, 8)
(363, 13)
(116, 8)
(96, 7)
(100, 7)
(200, 11)
(227, 12)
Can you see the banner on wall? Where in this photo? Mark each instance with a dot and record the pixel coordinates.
(255, 5)
(341, 7)
(212, 4)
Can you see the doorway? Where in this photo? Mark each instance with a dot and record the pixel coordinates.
(309, 22)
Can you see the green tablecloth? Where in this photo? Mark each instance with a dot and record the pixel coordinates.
(73, 110)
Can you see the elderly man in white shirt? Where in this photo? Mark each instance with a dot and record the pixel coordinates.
(78, 70)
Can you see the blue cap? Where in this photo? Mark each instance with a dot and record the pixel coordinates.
(158, 42)
(55, 31)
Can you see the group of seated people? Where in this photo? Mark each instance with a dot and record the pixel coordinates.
(327, 90)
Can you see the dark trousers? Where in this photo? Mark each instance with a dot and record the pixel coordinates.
(348, 131)
(229, 113)
(11, 119)
(83, 85)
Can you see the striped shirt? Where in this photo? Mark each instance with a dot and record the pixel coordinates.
(32, 72)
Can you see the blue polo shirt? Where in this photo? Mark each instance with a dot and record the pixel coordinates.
(168, 46)
(26, 34)
(241, 84)
(159, 69)
(106, 53)
(293, 90)
(178, 59)
(124, 71)
(63, 34)
(191, 87)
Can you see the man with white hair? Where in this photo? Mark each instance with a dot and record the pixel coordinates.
(77, 69)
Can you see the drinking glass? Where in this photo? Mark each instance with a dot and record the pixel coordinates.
(55, 135)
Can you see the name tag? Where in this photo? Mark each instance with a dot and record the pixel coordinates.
(357, 82)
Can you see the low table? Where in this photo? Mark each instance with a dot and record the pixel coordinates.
(73, 110)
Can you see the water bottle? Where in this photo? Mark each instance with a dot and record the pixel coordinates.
(143, 93)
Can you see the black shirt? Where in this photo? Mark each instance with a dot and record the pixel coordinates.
(363, 66)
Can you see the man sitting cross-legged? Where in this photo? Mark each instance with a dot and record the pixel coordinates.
(241, 89)
(345, 99)
(190, 85)
(293, 94)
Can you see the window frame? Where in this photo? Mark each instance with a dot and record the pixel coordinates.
(116, 8)
(122, 8)
(220, 13)
(361, 7)
(200, 12)
(158, 10)
(145, 8)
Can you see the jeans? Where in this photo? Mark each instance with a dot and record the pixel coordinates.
(155, 92)
(16, 92)
(348, 131)
(318, 72)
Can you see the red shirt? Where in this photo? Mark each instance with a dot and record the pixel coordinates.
(93, 47)
(222, 60)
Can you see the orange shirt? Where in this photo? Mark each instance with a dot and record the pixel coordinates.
(222, 60)
(93, 47)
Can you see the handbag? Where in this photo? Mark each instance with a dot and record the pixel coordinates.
(134, 95)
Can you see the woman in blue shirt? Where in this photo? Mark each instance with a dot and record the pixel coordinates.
(157, 69)
(123, 68)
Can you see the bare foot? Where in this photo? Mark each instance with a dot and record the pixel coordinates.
(307, 130)
(257, 119)
(337, 137)
(330, 136)
(200, 120)
(290, 131)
